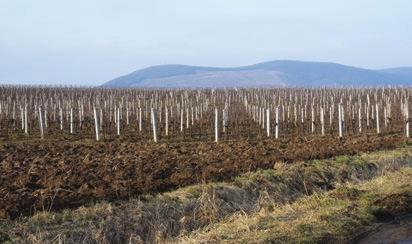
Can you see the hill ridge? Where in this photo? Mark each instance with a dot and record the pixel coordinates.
(264, 74)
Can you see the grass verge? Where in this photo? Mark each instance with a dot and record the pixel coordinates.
(333, 217)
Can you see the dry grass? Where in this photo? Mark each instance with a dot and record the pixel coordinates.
(336, 216)
(249, 198)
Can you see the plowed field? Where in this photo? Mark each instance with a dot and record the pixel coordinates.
(48, 175)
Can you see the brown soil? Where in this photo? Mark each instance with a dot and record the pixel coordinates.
(53, 175)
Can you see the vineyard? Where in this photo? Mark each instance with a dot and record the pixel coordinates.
(66, 147)
(199, 115)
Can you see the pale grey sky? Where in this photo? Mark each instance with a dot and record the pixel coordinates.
(88, 42)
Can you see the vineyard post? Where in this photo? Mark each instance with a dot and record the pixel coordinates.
(407, 118)
(187, 118)
(268, 122)
(41, 124)
(140, 119)
(71, 120)
(377, 118)
(322, 121)
(216, 125)
(154, 126)
(360, 119)
(26, 129)
(342, 108)
(340, 119)
(118, 121)
(61, 118)
(167, 121)
(22, 117)
(127, 114)
(313, 119)
(96, 123)
(181, 120)
(277, 123)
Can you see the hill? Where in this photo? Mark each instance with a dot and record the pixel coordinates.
(401, 72)
(278, 73)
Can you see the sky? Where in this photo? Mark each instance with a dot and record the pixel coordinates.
(89, 42)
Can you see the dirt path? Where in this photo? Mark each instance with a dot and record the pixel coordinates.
(399, 232)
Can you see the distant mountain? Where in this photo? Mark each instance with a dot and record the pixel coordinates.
(278, 73)
(401, 72)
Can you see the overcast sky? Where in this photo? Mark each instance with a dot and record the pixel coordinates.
(88, 42)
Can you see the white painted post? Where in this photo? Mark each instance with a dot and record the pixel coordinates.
(277, 123)
(181, 120)
(26, 128)
(407, 117)
(61, 118)
(377, 119)
(343, 118)
(187, 118)
(223, 121)
(340, 119)
(140, 119)
(96, 123)
(41, 124)
(118, 121)
(127, 114)
(322, 121)
(360, 119)
(268, 122)
(313, 119)
(167, 121)
(154, 126)
(216, 125)
(22, 117)
(71, 120)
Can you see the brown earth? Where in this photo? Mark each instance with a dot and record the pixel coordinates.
(51, 175)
